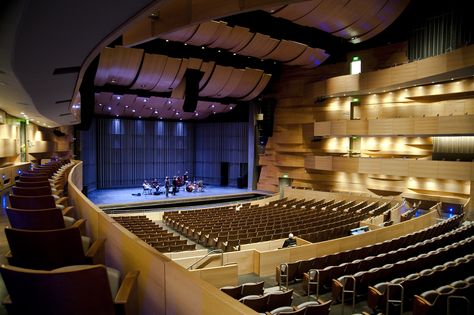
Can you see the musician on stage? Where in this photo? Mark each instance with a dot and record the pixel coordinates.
(175, 185)
(167, 185)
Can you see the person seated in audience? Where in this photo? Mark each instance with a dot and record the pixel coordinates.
(290, 241)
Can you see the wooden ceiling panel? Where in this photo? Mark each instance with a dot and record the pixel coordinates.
(311, 57)
(386, 16)
(247, 83)
(169, 74)
(219, 78)
(118, 66)
(355, 17)
(231, 84)
(151, 71)
(180, 74)
(296, 11)
(262, 84)
(208, 69)
(207, 33)
(286, 50)
(239, 37)
(259, 46)
(323, 17)
(181, 35)
(225, 33)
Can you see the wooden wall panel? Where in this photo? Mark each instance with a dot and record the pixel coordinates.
(370, 166)
(426, 126)
(456, 124)
(322, 128)
(454, 170)
(345, 164)
(357, 127)
(323, 163)
(339, 128)
(380, 127)
(420, 168)
(395, 167)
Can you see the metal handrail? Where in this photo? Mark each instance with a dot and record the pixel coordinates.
(215, 251)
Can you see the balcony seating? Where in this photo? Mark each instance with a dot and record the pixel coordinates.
(50, 249)
(74, 290)
(42, 219)
(37, 202)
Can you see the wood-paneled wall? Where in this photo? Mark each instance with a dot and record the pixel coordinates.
(391, 135)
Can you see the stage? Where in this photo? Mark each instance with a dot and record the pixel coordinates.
(127, 199)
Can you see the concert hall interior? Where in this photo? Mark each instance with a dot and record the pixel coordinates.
(164, 157)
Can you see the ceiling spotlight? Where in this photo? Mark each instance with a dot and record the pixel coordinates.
(156, 112)
(109, 108)
(213, 106)
(185, 44)
(139, 116)
(177, 113)
(231, 108)
(234, 54)
(133, 111)
(113, 81)
(202, 47)
(126, 106)
(167, 40)
(116, 115)
(219, 51)
(145, 100)
(151, 108)
(100, 104)
(197, 114)
(169, 102)
(214, 113)
(181, 119)
(161, 117)
(119, 97)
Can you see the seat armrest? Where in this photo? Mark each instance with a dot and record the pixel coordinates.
(66, 211)
(96, 252)
(126, 301)
(8, 255)
(62, 201)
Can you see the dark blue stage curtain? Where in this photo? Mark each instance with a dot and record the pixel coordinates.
(218, 143)
(88, 153)
(129, 151)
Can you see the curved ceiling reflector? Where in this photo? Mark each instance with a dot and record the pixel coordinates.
(169, 73)
(118, 66)
(150, 72)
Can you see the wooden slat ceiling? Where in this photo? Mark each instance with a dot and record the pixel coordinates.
(242, 41)
(355, 20)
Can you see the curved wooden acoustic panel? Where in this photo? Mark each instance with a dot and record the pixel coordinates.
(118, 66)
(259, 46)
(262, 84)
(208, 69)
(296, 11)
(216, 82)
(286, 50)
(180, 74)
(237, 35)
(181, 35)
(169, 74)
(207, 33)
(356, 24)
(247, 83)
(311, 57)
(231, 84)
(386, 16)
(151, 71)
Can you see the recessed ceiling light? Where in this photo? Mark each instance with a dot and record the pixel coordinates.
(231, 107)
(145, 100)
(177, 113)
(119, 97)
(109, 108)
(169, 102)
(100, 104)
(133, 111)
(139, 116)
(117, 115)
(126, 106)
(167, 40)
(161, 117)
(156, 112)
(197, 114)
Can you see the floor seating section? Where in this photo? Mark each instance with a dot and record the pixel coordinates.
(154, 235)
(333, 266)
(76, 290)
(455, 297)
(314, 220)
(269, 301)
(404, 289)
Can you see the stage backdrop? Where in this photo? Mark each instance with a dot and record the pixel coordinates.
(129, 151)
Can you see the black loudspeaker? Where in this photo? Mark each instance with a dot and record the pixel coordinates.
(267, 107)
(191, 92)
(88, 96)
(224, 173)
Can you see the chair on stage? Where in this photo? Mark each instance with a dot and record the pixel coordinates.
(50, 249)
(73, 290)
(41, 219)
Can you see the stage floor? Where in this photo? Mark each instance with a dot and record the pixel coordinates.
(109, 197)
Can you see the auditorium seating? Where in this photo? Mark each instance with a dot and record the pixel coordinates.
(382, 266)
(153, 234)
(455, 297)
(329, 262)
(269, 301)
(50, 249)
(41, 219)
(313, 220)
(403, 289)
(74, 290)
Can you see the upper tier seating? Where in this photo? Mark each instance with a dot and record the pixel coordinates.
(74, 290)
(41, 219)
(50, 249)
